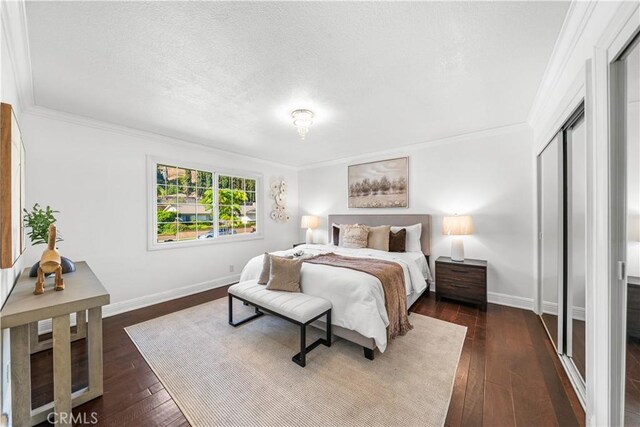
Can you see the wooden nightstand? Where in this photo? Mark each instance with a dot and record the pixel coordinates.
(464, 281)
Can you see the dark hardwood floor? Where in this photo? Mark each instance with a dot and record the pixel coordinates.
(632, 389)
(507, 375)
(579, 346)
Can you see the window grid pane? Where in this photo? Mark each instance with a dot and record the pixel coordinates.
(185, 204)
(238, 209)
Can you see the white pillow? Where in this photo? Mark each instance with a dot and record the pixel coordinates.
(414, 232)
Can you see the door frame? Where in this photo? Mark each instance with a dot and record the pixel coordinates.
(606, 336)
(564, 328)
(577, 117)
(559, 345)
(618, 224)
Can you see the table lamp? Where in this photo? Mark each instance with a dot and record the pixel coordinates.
(458, 225)
(309, 222)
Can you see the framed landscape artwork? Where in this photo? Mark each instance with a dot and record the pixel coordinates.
(382, 184)
(12, 188)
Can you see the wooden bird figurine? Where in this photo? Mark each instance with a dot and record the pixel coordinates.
(50, 263)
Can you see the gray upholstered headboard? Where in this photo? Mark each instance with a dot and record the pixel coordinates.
(399, 220)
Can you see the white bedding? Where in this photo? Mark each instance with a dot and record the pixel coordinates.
(357, 297)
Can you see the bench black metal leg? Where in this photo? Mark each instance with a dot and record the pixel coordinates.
(258, 314)
(328, 343)
(368, 353)
(301, 358)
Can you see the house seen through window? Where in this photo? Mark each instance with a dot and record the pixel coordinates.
(197, 205)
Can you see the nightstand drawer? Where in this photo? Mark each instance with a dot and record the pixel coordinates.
(633, 322)
(466, 291)
(461, 274)
(633, 296)
(465, 281)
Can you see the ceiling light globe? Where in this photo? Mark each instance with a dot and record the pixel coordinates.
(302, 120)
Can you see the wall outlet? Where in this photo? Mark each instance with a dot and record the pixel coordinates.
(231, 268)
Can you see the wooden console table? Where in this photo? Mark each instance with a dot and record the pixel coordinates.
(83, 292)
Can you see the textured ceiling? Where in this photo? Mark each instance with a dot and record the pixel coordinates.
(378, 75)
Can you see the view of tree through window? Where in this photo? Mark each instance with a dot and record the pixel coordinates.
(186, 208)
(237, 205)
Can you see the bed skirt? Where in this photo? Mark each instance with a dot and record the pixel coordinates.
(356, 337)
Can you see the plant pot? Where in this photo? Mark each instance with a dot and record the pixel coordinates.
(67, 267)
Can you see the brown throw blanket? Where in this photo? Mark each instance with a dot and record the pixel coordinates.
(390, 275)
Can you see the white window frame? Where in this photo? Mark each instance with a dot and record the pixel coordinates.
(152, 217)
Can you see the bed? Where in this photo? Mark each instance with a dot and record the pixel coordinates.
(359, 313)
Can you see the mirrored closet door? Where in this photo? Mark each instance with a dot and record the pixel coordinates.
(632, 61)
(576, 248)
(562, 183)
(628, 107)
(550, 223)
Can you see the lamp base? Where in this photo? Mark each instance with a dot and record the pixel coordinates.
(309, 237)
(457, 250)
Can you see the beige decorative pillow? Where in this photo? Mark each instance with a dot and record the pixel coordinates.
(354, 236)
(285, 274)
(379, 238)
(266, 267)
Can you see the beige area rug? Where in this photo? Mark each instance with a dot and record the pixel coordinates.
(221, 375)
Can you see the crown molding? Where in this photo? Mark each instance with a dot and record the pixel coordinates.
(626, 17)
(78, 120)
(573, 26)
(51, 114)
(408, 148)
(575, 94)
(14, 29)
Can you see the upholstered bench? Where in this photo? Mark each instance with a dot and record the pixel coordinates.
(298, 308)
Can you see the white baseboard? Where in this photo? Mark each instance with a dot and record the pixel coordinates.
(527, 304)
(510, 300)
(44, 326)
(147, 300)
(133, 304)
(552, 308)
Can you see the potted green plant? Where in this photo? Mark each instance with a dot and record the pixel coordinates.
(38, 221)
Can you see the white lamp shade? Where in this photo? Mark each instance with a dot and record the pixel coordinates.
(633, 227)
(457, 225)
(309, 221)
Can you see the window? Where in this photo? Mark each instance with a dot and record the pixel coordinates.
(198, 205)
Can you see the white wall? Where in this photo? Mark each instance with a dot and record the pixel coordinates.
(8, 94)
(488, 175)
(97, 179)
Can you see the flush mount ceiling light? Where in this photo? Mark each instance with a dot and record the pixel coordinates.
(302, 119)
